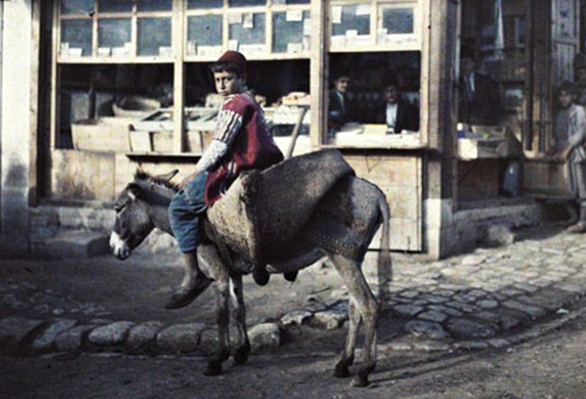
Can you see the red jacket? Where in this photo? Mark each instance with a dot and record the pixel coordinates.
(242, 125)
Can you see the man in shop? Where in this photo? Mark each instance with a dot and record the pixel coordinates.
(480, 100)
(242, 141)
(339, 109)
(397, 113)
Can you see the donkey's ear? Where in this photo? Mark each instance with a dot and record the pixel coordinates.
(134, 190)
(167, 176)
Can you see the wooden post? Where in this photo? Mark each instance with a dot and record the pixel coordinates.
(178, 33)
(318, 72)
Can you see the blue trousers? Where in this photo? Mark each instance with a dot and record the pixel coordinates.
(185, 211)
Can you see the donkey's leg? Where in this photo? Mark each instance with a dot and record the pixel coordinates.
(347, 358)
(238, 311)
(366, 302)
(217, 270)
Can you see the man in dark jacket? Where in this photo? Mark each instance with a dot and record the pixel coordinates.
(480, 101)
(338, 107)
(397, 113)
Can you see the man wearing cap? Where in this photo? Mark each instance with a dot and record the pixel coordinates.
(479, 98)
(242, 141)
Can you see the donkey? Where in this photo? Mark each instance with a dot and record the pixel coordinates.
(143, 204)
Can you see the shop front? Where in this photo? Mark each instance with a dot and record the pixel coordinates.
(126, 84)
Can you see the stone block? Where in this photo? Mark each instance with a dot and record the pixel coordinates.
(296, 317)
(45, 341)
(143, 336)
(180, 338)
(265, 336)
(331, 319)
(426, 329)
(110, 335)
(469, 329)
(73, 340)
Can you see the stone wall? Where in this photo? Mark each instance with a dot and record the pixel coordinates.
(15, 132)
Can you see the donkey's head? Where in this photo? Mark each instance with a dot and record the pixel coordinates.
(140, 208)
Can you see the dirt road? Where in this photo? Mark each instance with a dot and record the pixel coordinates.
(551, 366)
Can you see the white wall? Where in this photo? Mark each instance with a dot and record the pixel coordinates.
(15, 129)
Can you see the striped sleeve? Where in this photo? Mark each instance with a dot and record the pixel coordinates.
(229, 122)
(211, 156)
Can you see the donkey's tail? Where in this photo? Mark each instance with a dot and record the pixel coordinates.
(385, 264)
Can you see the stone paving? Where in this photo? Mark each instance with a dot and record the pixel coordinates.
(487, 298)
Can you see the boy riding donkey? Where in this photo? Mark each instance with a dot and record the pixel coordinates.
(241, 142)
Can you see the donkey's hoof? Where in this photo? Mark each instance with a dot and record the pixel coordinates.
(241, 355)
(214, 368)
(359, 382)
(341, 371)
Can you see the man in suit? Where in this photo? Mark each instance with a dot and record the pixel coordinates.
(339, 106)
(397, 113)
(480, 101)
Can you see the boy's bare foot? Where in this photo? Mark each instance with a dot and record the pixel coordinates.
(183, 296)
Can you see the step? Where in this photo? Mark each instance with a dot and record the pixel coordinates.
(77, 244)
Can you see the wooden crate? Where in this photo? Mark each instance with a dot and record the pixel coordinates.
(106, 134)
(545, 178)
(140, 141)
(478, 180)
(162, 141)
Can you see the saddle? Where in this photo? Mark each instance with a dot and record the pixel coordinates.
(263, 211)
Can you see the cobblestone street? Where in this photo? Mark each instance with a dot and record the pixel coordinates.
(487, 298)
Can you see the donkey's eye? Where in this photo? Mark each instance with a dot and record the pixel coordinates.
(118, 207)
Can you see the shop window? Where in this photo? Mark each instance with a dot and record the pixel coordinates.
(398, 20)
(98, 102)
(77, 7)
(247, 32)
(114, 35)
(246, 3)
(205, 35)
(76, 38)
(350, 23)
(361, 112)
(114, 6)
(291, 31)
(154, 36)
(154, 5)
(204, 4)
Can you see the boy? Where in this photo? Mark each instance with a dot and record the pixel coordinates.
(242, 141)
(569, 137)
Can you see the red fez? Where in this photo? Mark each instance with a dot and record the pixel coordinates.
(235, 58)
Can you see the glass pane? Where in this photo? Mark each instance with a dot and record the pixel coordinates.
(114, 5)
(398, 20)
(113, 32)
(204, 4)
(155, 5)
(77, 6)
(250, 28)
(205, 30)
(350, 18)
(288, 31)
(77, 33)
(247, 3)
(154, 36)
